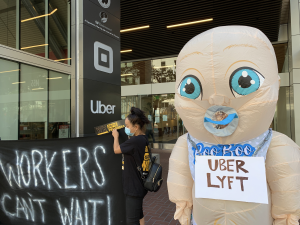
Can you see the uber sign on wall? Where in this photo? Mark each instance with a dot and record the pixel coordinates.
(101, 43)
(102, 103)
(101, 63)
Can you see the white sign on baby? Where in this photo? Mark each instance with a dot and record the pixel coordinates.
(231, 178)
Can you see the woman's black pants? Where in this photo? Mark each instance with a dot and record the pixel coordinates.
(134, 210)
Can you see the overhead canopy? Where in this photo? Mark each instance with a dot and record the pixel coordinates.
(158, 40)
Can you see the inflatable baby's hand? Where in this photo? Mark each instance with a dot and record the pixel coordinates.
(180, 181)
(183, 212)
(282, 168)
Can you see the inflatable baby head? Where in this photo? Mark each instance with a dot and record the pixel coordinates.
(227, 84)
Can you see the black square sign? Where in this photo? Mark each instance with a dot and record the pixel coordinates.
(101, 57)
(101, 20)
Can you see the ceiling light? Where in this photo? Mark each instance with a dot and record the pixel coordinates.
(34, 89)
(54, 78)
(36, 17)
(129, 50)
(9, 71)
(23, 82)
(135, 28)
(34, 46)
(126, 74)
(184, 24)
(62, 59)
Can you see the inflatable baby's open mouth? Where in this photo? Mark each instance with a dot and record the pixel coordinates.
(221, 121)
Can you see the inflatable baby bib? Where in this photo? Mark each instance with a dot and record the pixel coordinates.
(226, 93)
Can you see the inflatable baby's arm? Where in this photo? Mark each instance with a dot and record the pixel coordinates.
(180, 181)
(283, 176)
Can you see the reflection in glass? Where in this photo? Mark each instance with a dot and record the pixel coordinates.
(59, 105)
(8, 23)
(164, 124)
(33, 103)
(164, 70)
(146, 106)
(165, 118)
(134, 73)
(33, 31)
(127, 103)
(9, 89)
(58, 31)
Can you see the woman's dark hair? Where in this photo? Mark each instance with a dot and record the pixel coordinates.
(137, 116)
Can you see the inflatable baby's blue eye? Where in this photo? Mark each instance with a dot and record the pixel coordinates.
(190, 87)
(245, 81)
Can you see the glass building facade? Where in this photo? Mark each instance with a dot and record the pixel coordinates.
(38, 27)
(166, 125)
(34, 102)
(148, 71)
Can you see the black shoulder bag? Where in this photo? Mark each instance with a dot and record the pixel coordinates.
(151, 179)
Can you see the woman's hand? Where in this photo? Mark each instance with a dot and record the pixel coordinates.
(117, 148)
(115, 133)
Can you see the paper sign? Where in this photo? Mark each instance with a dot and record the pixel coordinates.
(157, 112)
(165, 118)
(149, 117)
(106, 128)
(157, 119)
(63, 131)
(231, 178)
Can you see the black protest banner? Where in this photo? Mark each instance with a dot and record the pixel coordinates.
(74, 181)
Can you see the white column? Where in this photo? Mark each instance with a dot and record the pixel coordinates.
(294, 68)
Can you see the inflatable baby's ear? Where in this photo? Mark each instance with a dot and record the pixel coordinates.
(227, 84)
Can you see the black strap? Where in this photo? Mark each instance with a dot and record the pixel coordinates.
(139, 167)
(149, 148)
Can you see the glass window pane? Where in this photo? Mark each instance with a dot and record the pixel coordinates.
(165, 118)
(8, 23)
(33, 103)
(126, 104)
(59, 105)
(58, 30)
(134, 73)
(146, 106)
(164, 70)
(9, 89)
(33, 30)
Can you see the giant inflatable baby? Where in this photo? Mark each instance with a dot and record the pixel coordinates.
(226, 93)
